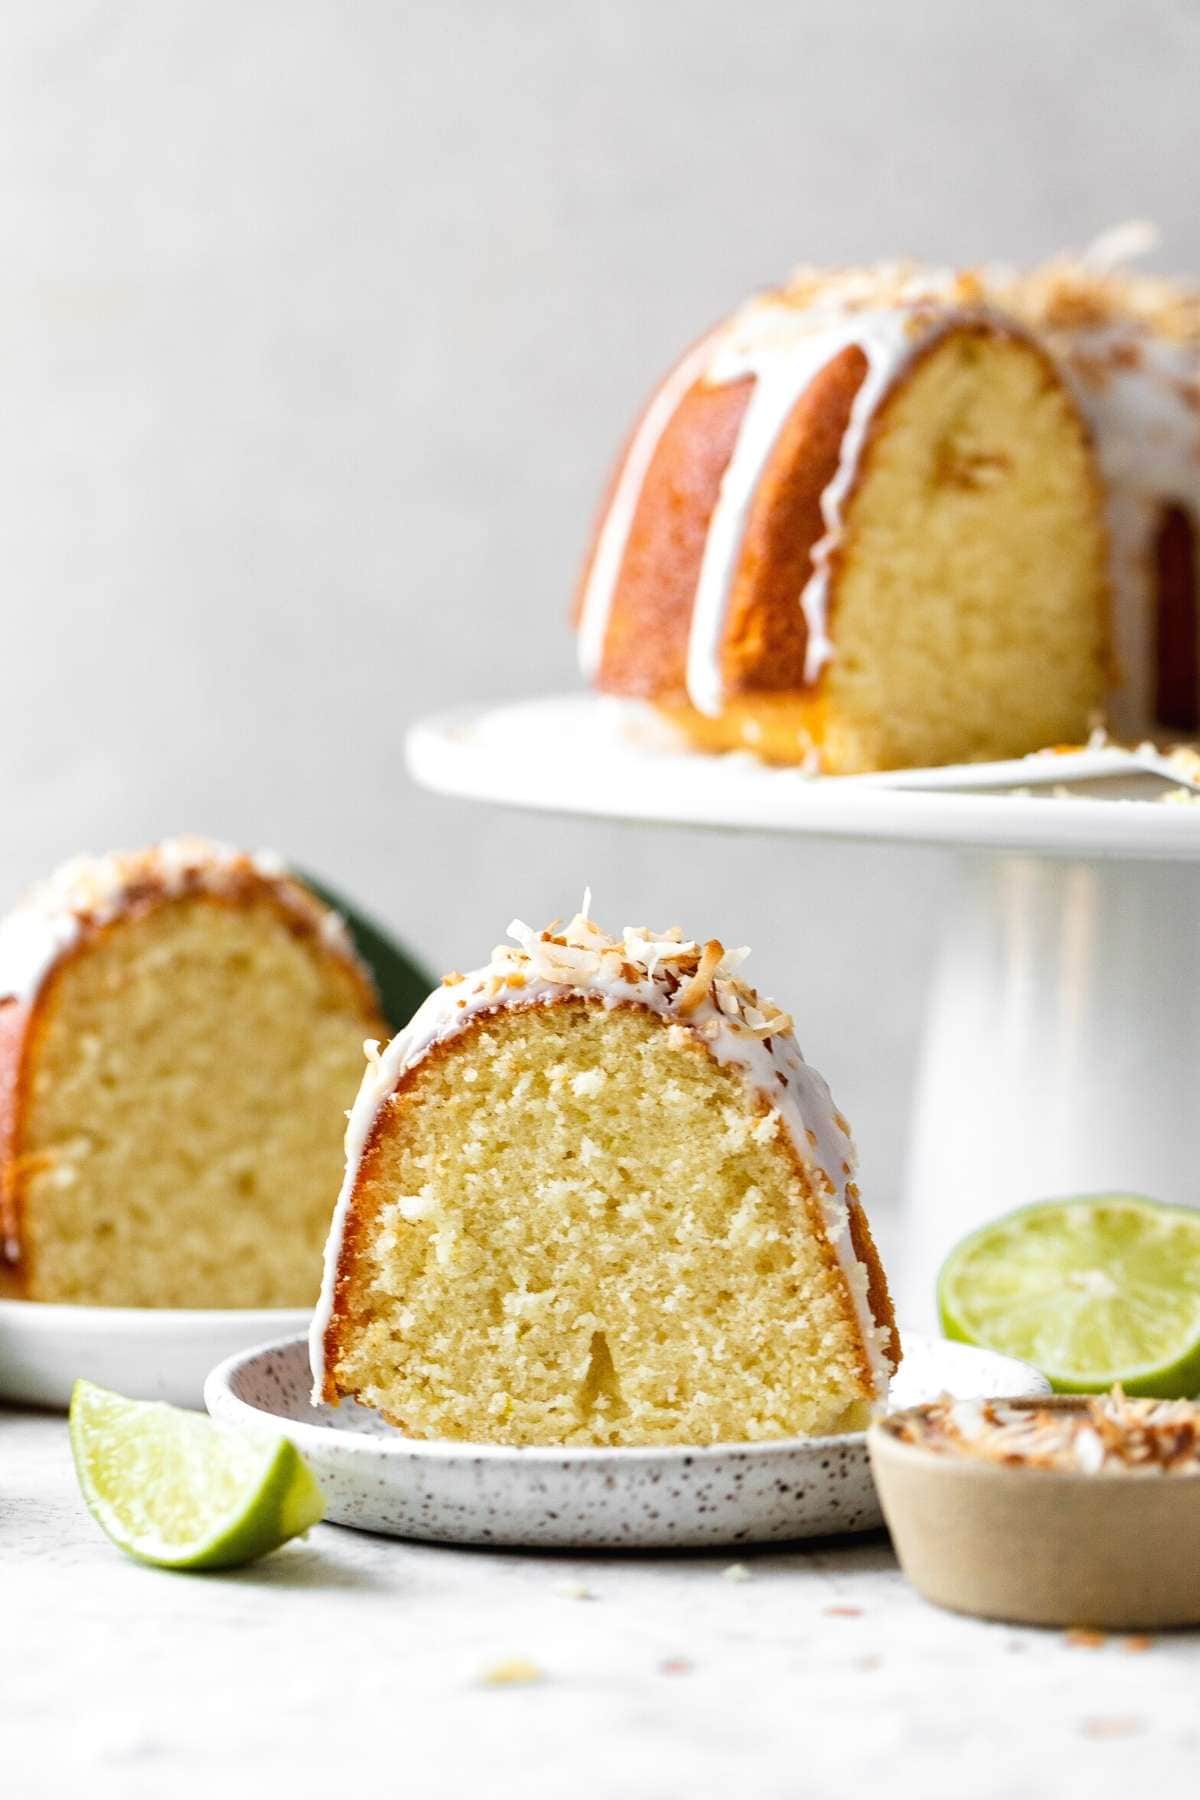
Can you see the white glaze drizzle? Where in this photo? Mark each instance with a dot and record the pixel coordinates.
(90, 891)
(1129, 345)
(590, 965)
(785, 348)
(1140, 393)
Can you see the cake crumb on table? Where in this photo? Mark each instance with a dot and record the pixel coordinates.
(736, 1572)
(512, 1671)
(1082, 1637)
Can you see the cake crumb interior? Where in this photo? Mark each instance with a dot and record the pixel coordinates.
(183, 1142)
(574, 1226)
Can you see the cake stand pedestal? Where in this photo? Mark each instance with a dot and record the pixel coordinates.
(1061, 1048)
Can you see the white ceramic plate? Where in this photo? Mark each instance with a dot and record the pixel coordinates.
(594, 754)
(145, 1352)
(378, 1480)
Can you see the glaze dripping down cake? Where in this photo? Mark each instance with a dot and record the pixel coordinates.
(1129, 344)
(594, 1194)
(180, 1036)
(859, 527)
(898, 516)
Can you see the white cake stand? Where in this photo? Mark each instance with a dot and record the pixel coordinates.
(1062, 1037)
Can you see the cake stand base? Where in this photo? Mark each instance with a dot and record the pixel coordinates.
(1062, 1037)
(1061, 1050)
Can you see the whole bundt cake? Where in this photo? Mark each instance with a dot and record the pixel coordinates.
(180, 1036)
(594, 1194)
(858, 527)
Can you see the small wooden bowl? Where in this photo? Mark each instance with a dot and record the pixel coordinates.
(1115, 1551)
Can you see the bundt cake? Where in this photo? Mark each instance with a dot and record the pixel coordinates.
(858, 527)
(595, 1195)
(1130, 346)
(180, 1036)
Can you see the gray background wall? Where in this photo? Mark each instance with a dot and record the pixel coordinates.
(320, 324)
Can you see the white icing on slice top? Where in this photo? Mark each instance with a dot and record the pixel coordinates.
(94, 890)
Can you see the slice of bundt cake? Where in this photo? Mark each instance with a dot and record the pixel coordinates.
(858, 527)
(180, 1036)
(594, 1194)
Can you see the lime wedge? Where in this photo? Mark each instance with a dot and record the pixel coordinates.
(173, 1490)
(1091, 1290)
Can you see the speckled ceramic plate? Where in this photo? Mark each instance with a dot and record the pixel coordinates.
(376, 1479)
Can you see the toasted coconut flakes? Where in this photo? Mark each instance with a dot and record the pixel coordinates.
(1112, 1726)
(1109, 1435)
(733, 959)
(727, 1000)
(695, 990)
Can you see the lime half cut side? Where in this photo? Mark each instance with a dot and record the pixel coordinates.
(172, 1489)
(1092, 1290)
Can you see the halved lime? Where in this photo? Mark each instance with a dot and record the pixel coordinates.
(1090, 1290)
(172, 1489)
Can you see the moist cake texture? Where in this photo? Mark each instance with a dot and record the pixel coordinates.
(594, 1195)
(180, 1035)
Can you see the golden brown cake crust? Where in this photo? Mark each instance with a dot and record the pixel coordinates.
(357, 1229)
(879, 1297)
(645, 651)
(15, 1026)
(144, 887)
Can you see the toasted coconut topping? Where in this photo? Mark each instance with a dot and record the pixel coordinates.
(1108, 1435)
(685, 973)
(91, 891)
(1077, 291)
(873, 285)
(1075, 294)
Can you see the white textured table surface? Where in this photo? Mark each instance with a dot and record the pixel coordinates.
(353, 1664)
